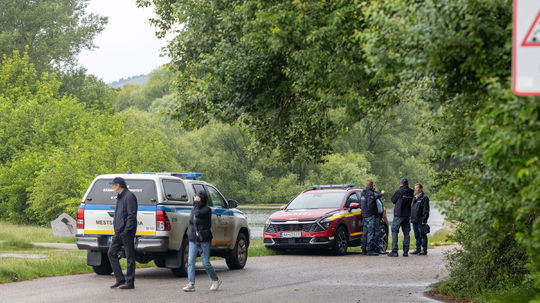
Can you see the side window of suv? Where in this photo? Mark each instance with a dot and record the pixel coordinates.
(174, 190)
(217, 199)
(353, 198)
(199, 187)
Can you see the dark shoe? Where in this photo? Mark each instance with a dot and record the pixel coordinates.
(372, 253)
(382, 252)
(126, 286)
(393, 254)
(364, 252)
(415, 252)
(115, 285)
(405, 253)
(424, 253)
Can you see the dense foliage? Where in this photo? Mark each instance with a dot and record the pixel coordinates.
(296, 73)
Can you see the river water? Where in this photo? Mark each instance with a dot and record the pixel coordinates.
(257, 218)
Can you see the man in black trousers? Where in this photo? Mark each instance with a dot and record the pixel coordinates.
(125, 226)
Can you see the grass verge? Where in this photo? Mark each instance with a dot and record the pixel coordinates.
(517, 294)
(30, 233)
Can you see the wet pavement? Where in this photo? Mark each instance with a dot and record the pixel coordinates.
(280, 278)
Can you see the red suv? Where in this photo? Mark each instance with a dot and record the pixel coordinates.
(325, 217)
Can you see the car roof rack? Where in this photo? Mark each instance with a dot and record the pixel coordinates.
(332, 186)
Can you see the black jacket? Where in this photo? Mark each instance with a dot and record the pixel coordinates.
(402, 199)
(420, 209)
(200, 220)
(125, 214)
(368, 203)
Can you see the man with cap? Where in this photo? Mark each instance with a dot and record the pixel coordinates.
(402, 199)
(125, 226)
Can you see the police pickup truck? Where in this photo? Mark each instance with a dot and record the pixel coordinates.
(165, 201)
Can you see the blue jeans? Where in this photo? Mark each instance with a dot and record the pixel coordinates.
(404, 223)
(421, 240)
(205, 256)
(369, 242)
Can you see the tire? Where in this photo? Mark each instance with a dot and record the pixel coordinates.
(384, 236)
(160, 262)
(239, 255)
(183, 255)
(341, 241)
(105, 267)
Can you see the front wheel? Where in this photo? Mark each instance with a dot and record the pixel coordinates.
(341, 243)
(239, 255)
(105, 267)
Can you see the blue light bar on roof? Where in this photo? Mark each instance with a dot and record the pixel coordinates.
(191, 176)
(332, 186)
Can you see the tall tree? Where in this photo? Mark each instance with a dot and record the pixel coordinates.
(277, 66)
(54, 31)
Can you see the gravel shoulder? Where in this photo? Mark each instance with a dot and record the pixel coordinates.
(303, 277)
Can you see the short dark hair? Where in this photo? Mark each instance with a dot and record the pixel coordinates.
(419, 185)
(369, 183)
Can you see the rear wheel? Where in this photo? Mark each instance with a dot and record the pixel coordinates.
(341, 242)
(238, 257)
(159, 261)
(105, 267)
(183, 260)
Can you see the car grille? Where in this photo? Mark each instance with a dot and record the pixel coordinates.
(307, 227)
(292, 240)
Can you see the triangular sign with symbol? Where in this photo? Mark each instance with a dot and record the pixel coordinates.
(533, 35)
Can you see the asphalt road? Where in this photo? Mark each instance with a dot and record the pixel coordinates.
(282, 278)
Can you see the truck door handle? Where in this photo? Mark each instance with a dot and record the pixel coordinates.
(111, 213)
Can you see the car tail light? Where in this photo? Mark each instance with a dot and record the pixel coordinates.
(162, 221)
(80, 218)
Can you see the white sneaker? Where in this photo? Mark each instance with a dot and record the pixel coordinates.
(189, 287)
(215, 285)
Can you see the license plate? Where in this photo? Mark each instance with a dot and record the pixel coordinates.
(291, 234)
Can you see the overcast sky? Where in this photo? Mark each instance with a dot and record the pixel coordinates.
(127, 46)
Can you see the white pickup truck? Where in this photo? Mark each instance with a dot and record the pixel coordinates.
(164, 205)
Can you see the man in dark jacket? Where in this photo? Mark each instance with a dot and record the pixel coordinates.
(125, 226)
(402, 199)
(419, 217)
(370, 217)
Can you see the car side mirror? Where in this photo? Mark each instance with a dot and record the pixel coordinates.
(354, 205)
(233, 204)
(283, 207)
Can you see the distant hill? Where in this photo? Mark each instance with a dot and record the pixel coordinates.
(139, 80)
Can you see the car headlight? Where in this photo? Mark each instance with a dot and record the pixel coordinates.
(324, 222)
(267, 224)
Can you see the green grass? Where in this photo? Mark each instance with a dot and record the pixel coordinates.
(58, 263)
(518, 294)
(30, 233)
(12, 244)
(260, 206)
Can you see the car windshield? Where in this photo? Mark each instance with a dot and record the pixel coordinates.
(312, 200)
(103, 193)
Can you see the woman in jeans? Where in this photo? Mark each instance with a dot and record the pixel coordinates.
(200, 238)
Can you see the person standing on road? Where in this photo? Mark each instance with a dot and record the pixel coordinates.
(402, 199)
(419, 217)
(369, 215)
(380, 210)
(200, 238)
(125, 226)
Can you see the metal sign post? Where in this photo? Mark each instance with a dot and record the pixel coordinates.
(526, 48)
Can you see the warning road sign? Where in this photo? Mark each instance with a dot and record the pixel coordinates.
(526, 48)
(533, 35)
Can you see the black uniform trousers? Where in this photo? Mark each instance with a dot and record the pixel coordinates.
(126, 240)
